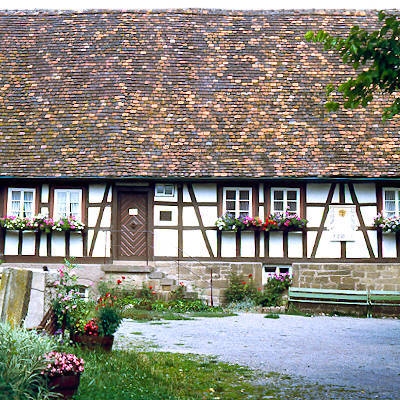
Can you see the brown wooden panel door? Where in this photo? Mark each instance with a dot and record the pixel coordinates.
(132, 211)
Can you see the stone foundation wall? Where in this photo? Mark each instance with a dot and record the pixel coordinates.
(164, 276)
(347, 276)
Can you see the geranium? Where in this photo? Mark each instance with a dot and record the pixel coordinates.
(91, 328)
(41, 223)
(273, 222)
(387, 224)
(62, 364)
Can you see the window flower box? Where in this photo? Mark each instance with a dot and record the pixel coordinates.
(40, 223)
(274, 222)
(387, 224)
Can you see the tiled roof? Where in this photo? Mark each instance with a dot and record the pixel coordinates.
(177, 93)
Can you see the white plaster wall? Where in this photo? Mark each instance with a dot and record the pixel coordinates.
(193, 244)
(58, 244)
(247, 248)
(314, 216)
(186, 195)
(295, 244)
(166, 242)
(76, 245)
(11, 243)
(28, 244)
(106, 219)
(209, 215)
(317, 192)
(369, 213)
(365, 192)
(261, 193)
(174, 217)
(96, 193)
(109, 195)
(276, 244)
(189, 217)
(373, 239)
(358, 248)
(326, 248)
(90, 234)
(102, 245)
(389, 245)
(43, 245)
(93, 215)
(262, 247)
(311, 236)
(335, 198)
(347, 195)
(205, 191)
(228, 244)
(44, 211)
(261, 212)
(45, 193)
(212, 238)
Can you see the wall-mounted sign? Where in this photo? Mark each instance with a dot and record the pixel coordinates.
(133, 211)
(342, 223)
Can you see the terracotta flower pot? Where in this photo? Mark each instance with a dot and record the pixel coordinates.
(65, 385)
(93, 342)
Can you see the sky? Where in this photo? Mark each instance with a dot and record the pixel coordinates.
(224, 4)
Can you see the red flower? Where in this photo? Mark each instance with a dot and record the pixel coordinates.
(119, 281)
(250, 275)
(150, 287)
(243, 283)
(259, 289)
(123, 277)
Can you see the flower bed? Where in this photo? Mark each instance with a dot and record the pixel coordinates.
(89, 322)
(274, 222)
(41, 223)
(387, 224)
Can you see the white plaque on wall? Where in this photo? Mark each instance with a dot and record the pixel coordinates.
(342, 223)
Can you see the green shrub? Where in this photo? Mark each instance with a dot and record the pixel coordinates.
(239, 290)
(275, 286)
(20, 366)
(109, 320)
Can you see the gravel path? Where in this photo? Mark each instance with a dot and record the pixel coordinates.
(350, 352)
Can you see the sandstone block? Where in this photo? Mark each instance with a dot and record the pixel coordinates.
(156, 275)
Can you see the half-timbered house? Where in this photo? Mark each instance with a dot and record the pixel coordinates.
(146, 126)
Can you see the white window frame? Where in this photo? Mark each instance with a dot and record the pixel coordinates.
(396, 198)
(56, 215)
(21, 208)
(285, 190)
(237, 205)
(163, 194)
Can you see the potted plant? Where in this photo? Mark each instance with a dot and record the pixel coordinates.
(63, 372)
(99, 331)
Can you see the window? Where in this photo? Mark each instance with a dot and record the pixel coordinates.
(391, 202)
(237, 201)
(270, 270)
(68, 202)
(21, 202)
(285, 200)
(165, 215)
(165, 190)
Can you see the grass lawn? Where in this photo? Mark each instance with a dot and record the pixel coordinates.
(146, 315)
(123, 375)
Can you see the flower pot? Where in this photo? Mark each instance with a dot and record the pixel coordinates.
(65, 385)
(93, 342)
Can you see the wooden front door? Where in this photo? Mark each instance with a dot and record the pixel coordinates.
(133, 225)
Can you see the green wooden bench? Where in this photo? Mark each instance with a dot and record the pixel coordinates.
(384, 298)
(329, 296)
